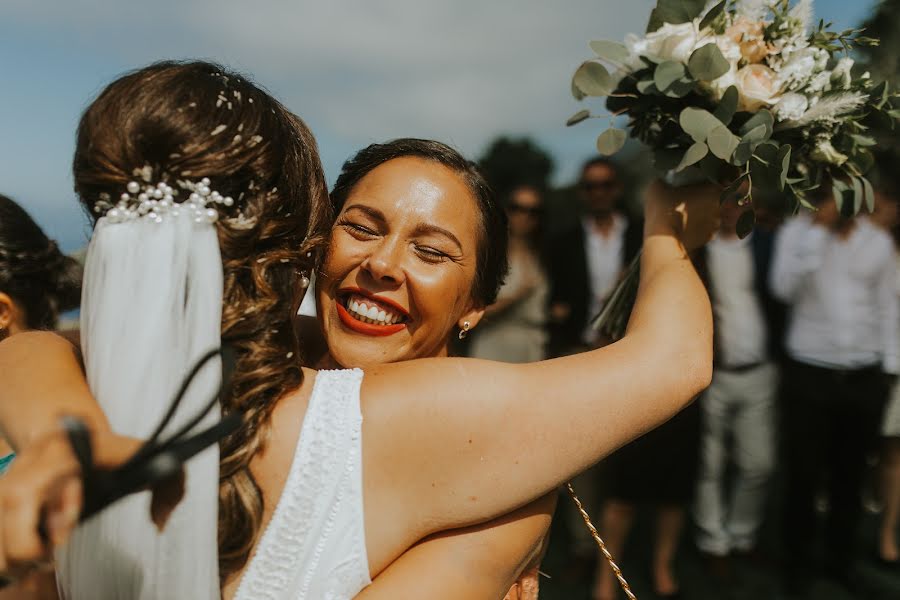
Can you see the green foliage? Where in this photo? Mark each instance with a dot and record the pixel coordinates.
(592, 79)
(693, 155)
(698, 123)
(578, 117)
(613, 52)
(727, 105)
(712, 15)
(611, 141)
(675, 12)
(707, 63)
(667, 73)
(722, 142)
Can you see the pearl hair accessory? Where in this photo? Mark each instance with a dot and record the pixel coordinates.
(156, 202)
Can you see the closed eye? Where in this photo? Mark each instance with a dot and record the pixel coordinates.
(432, 255)
(357, 230)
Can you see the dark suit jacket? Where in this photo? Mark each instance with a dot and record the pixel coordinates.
(570, 282)
(774, 311)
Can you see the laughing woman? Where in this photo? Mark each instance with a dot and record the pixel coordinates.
(349, 469)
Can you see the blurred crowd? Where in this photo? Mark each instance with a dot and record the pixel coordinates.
(807, 346)
(807, 350)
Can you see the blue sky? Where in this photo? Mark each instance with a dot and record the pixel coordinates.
(462, 71)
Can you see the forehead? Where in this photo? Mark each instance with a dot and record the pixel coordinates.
(526, 196)
(599, 171)
(415, 191)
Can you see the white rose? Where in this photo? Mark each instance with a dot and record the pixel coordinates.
(791, 107)
(672, 42)
(757, 85)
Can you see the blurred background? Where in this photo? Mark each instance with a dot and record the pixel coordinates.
(493, 80)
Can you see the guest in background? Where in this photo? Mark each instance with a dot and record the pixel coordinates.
(838, 274)
(37, 282)
(587, 260)
(888, 553)
(738, 410)
(513, 328)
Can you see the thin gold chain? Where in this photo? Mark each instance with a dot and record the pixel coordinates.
(609, 557)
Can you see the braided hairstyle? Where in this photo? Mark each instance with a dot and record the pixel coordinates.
(33, 272)
(190, 120)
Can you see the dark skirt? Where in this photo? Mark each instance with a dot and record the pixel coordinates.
(659, 467)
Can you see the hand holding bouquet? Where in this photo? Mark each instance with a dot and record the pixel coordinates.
(748, 93)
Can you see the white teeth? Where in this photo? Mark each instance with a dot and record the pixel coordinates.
(382, 316)
(372, 314)
(354, 306)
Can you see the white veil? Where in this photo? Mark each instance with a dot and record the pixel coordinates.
(151, 307)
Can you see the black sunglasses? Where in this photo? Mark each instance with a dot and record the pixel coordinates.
(533, 211)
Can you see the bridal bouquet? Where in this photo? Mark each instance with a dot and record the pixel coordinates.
(749, 93)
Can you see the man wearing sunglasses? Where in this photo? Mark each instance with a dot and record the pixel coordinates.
(587, 260)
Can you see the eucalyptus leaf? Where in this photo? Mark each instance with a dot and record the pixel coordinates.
(611, 141)
(647, 87)
(745, 223)
(783, 162)
(693, 155)
(712, 14)
(578, 117)
(576, 93)
(612, 51)
(680, 88)
(838, 188)
(727, 105)
(869, 194)
(763, 117)
(667, 73)
(858, 194)
(755, 136)
(742, 153)
(698, 123)
(722, 142)
(593, 79)
(675, 12)
(707, 63)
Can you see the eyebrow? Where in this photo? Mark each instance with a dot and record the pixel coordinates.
(423, 228)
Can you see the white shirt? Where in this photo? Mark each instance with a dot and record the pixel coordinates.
(740, 324)
(842, 292)
(605, 255)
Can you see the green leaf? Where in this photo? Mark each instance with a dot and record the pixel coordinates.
(863, 140)
(707, 63)
(858, 194)
(675, 12)
(731, 190)
(611, 141)
(693, 155)
(742, 153)
(722, 142)
(869, 194)
(612, 51)
(667, 73)
(714, 13)
(763, 117)
(783, 162)
(576, 93)
(727, 105)
(578, 117)
(745, 223)
(698, 123)
(593, 79)
(680, 88)
(838, 188)
(647, 87)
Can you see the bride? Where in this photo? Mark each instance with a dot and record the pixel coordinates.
(349, 499)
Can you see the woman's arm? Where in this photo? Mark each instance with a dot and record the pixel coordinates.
(42, 381)
(461, 458)
(477, 563)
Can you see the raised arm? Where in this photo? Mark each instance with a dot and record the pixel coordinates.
(460, 457)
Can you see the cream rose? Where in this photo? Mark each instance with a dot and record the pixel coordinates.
(758, 87)
(669, 42)
(744, 29)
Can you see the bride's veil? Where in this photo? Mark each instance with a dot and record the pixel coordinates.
(151, 306)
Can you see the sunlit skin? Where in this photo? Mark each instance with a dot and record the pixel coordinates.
(405, 243)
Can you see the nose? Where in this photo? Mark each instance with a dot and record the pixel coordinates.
(385, 263)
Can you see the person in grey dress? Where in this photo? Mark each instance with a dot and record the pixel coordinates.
(513, 329)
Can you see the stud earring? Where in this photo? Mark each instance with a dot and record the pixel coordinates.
(465, 330)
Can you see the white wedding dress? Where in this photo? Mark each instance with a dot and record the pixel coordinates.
(314, 547)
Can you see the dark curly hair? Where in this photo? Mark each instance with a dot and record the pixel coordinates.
(492, 263)
(42, 280)
(194, 120)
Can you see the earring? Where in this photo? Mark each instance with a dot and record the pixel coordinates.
(464, 331)
(304, 280)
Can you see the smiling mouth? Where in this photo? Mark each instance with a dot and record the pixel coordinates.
(366, 315)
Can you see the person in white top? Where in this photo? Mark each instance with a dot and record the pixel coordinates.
(359, 469)
(838, 274)
(738, 409)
